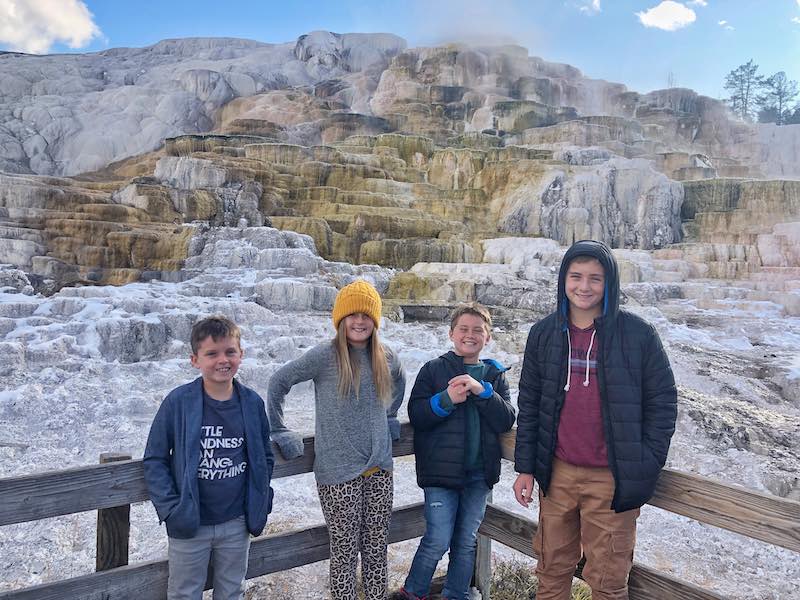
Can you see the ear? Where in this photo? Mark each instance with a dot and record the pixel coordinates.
(450, 335)
(193, 359)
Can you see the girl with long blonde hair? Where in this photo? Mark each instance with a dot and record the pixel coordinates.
(358, 387)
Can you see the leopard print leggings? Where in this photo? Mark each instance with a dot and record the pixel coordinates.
(357, 513)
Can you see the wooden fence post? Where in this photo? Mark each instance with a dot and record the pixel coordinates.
(482, 576)
(113, 527)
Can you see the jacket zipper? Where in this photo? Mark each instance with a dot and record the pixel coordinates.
(601, 378)
(562, 396)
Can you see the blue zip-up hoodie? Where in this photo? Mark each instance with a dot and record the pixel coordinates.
(172, 456)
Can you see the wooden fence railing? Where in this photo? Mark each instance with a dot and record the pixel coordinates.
(118, 484)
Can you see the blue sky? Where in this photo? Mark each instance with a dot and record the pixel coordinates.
(697, 41)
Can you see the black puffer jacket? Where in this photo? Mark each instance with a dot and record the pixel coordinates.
(439, 441)
(637, 389)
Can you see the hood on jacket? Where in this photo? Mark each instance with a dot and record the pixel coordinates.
(602, 253)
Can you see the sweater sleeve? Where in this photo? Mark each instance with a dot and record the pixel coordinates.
(157, 462)
(398, 375)
(265, 433)
(530, 389)
(301, 369)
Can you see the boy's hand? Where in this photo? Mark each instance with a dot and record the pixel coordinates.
(471, 384)
(458, 391)
(523, 488)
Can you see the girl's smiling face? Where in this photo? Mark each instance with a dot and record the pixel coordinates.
(358, 328)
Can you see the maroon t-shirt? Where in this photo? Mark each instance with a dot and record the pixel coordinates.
(581, 440)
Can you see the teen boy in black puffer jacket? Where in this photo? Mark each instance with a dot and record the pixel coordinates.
(597, 408)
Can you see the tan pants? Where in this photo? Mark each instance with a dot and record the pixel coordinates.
(576, 517)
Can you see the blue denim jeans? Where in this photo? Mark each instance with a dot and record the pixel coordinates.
(452, 518)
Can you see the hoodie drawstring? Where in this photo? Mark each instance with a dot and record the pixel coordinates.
(569, 360)
(588, 353)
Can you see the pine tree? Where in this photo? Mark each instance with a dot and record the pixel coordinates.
(743, 83)
(778, 92)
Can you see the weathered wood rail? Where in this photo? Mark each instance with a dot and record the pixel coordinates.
(118, 484)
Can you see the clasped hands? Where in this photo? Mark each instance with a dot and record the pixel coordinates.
(459, 387)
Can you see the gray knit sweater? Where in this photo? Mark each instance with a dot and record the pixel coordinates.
(352, 434)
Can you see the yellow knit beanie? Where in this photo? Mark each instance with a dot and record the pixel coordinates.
(358, 297)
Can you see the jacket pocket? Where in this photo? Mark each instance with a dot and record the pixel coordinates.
(651, 466)
(184, 520)
(429, 453)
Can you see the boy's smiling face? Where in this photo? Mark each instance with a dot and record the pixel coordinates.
(469, 335)
(585, 285)
(218, 361)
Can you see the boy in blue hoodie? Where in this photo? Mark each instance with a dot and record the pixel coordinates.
(208, 465)
(459, 406)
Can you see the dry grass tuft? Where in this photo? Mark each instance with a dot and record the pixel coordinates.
(515, 580)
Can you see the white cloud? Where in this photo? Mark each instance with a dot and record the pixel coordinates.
(669, 16)
(796, 19)
(725, 25)
(704, 3)
(35, 25)
(593, 7)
